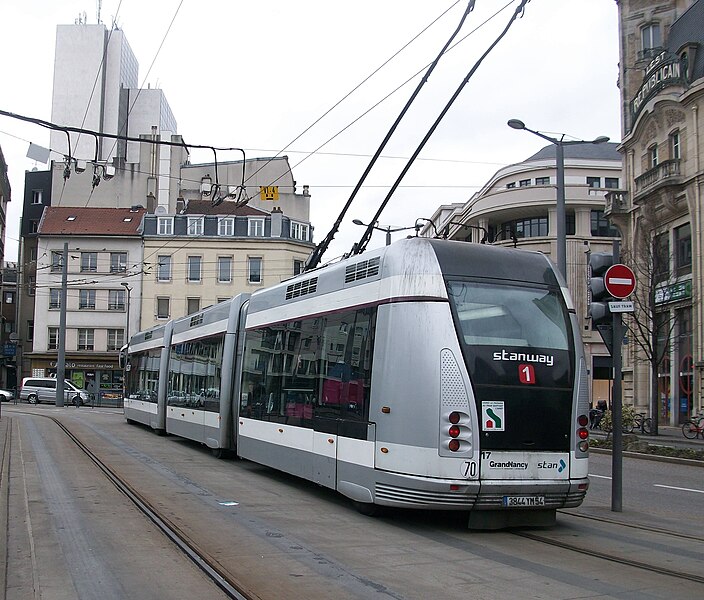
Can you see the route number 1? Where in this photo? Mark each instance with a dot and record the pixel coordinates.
(526, 374)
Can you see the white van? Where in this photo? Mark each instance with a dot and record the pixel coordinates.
(43, 389)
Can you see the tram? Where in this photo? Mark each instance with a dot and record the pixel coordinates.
(427, 374)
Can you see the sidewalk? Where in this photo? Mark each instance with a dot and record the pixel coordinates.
(667, 436)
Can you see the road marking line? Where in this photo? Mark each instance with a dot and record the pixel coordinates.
(672, 487)
(599, 476)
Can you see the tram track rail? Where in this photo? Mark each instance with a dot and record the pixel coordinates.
(613, 557)
(208, 565)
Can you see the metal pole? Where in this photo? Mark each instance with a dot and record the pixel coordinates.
(388, 235)
(61, 360)
(561, 218)
(616, 407)
(127, 328)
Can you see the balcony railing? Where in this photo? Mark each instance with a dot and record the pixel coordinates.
(616, 202)
(666, 170)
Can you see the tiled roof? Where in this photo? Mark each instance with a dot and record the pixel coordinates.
(226, 207)
(688, 28)
(61, 220)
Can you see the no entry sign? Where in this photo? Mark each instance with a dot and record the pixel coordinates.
(619, 281)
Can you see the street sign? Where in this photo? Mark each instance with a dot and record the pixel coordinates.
(620, 281)
(623, 306)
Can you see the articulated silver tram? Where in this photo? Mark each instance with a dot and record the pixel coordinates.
(428, 374)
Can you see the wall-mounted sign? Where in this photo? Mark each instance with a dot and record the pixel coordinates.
(269, 192)
(663, 71)
(674, 292)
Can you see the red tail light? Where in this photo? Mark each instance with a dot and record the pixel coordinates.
(454, 431)
(583, 420)
(583, 433)
(454, 418)
(454, 445)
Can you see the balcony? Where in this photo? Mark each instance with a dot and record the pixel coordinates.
(665, 173)
(616, 202)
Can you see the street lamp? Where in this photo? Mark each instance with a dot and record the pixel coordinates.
(560, 167)
(388, 229)
(127, 331)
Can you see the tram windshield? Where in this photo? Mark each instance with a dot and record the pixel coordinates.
(523, 317)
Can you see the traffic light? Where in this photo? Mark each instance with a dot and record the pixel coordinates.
(598, 297)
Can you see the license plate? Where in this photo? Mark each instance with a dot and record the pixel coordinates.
(520, 501)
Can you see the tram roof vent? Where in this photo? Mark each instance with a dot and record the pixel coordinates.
(362, 270)
(301, 288)
(148, 335)
(196, 320)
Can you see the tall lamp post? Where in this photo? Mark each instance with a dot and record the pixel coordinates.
(389, 230)
(560, 168)
(127, 330)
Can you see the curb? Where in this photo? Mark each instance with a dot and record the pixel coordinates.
(655, 457)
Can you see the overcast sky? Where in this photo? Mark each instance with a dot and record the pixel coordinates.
(256, 75)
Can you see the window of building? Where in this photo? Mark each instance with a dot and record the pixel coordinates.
(33, 254)
(57, 260)
(33, 226)
(89, 262)
(163, 272)
(162, 308)
(192, 305)
(611, 183)
(86, 339)
(31, 285)
(116, 339)
(195, 226)
(511, 185)
(165, 225)
(570, 224)
(256, 227)
(30, 331)
(299, 231)
(298, 266)
(194, 268)
(653, 156)
(254, 270)
(9, 298)
(675, 150)
(118, 262)
(37, 196)
(683, 249)
(524, 182)
(226, 226)
(86, 299)
(542, 181)
(54, 298)
(650, 36)
(661, 257)
(116, 300)
(532, 227)
(53, 340)
(224, 269)
(600, 225)
(594, 182)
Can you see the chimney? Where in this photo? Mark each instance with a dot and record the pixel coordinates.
(276, 221)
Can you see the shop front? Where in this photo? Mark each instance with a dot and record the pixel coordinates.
(101, 378)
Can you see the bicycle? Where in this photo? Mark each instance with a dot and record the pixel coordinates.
(693, 427)
(642, 423)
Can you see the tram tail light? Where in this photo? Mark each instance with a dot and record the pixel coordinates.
(583, 446)
(583, 420)
(454, 417)
(583, 433)
(454, 445)
(454, 431)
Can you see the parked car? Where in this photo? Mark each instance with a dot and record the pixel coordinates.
(43, 389)
(6, 396)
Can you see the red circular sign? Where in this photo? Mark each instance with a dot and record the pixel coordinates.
(619, 281)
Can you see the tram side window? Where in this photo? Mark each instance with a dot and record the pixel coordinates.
(311, 369)
(143, 376)
(195, 371)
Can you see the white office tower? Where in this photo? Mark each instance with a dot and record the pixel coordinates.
(96, 87)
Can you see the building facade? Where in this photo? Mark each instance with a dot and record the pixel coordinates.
(517, 208)
(103, 269)
(659, 209)
(207, 254)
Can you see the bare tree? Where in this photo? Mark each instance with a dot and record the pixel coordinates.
(650, 329)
